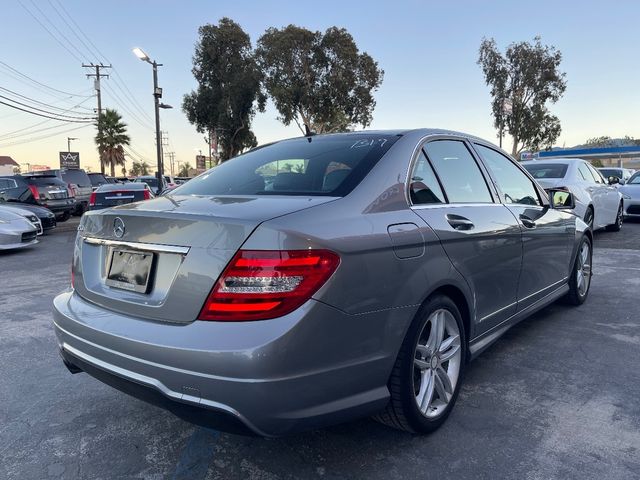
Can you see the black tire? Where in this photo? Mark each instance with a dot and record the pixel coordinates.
(575, 297)
(64, 217)
(588, 217)
(615, 227)
(402, 411)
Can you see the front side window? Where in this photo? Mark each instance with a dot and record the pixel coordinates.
(7, 183)
(513, 183)
(458, 171)
(325, 165)
(423, 186)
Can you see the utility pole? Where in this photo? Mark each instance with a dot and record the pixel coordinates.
(172, 157)
(69, 143)
(98, 75)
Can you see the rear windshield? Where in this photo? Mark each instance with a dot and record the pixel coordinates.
(546, 170)
(610, 172)
(151, 181)
(324, 165)
(77, 177)
(97, 179)
(44, 181)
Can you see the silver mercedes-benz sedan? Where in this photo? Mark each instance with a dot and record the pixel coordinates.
(319, 279)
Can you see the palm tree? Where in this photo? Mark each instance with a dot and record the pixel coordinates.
(111, 139)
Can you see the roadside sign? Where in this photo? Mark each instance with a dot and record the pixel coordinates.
(528, 155)
(69, 160)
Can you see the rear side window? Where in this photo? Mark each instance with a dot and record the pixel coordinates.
(458, 171)
(596, 174)
(323, 165)
(424, 187)
(7, 183)
(77, 177)
(584, 172)
(514, 184)
(546, 170)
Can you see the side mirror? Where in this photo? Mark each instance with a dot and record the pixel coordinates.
(613, 180)
(562, 200)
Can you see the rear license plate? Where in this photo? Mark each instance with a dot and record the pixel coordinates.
(130, 270)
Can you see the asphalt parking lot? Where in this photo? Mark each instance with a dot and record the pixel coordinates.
(557, 397)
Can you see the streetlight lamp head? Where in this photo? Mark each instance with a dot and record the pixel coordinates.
(138, 52)
(164, 105)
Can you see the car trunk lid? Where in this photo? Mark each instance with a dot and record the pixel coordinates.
(190, 240)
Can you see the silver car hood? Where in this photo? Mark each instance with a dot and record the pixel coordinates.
(8, 214)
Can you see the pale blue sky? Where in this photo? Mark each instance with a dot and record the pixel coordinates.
(427, 49)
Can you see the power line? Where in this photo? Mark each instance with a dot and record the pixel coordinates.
(123, 104)
(38, 101)
(45, 116)
(42, 137)
(40, 83)
(12, 133)
(119, 82)
(45, 111)
(49, 32)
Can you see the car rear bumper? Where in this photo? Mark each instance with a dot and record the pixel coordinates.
(314, 367)
(59, 206)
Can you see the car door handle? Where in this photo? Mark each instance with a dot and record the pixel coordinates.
(460, 223)
(527, 222)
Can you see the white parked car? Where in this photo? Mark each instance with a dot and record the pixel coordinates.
(31, 217)
(622, 174)
(15, 231)
(597, 202)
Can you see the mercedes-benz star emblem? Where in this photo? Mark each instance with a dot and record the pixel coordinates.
(118, 227)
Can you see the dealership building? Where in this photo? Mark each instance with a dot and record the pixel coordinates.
(627, 157)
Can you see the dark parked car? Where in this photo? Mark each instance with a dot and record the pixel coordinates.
(111, 195)
(98, 179)
(77, 180)
(152, 182)
(359, 284)
(48, 191)
(46, 216)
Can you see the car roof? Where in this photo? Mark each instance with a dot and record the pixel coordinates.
(110, 187)
(555, 160)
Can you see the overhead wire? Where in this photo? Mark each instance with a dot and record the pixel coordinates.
(42, 137)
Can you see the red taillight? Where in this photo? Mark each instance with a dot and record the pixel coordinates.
(147, 194)
(71, 189)
(92, 199)
(263, 284)
(34, 192)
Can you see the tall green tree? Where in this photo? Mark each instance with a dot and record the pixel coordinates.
(139, 168)
(523, 81)
(319, 81)
(228, 92)
(183, 171)
(111, 138)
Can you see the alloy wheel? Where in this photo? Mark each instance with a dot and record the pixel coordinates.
(583, 272)
(436, 364)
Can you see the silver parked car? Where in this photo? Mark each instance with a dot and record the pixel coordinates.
(319, 279)
(622, 174)
(15, 230)
(31, 217)
(598, 203)
(631, 196)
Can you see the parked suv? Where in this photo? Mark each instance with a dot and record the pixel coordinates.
(48, 191)
(79, 183)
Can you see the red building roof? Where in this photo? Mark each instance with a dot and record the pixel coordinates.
(8, 161)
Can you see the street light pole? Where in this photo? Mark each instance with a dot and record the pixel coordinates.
(157, 93)
(69, 143)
